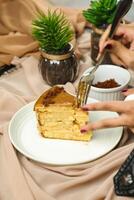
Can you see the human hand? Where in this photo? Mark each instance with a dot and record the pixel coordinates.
(125, 118)
(120, 54)
(125, 33)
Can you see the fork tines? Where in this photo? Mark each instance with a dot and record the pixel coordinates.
(83, 90)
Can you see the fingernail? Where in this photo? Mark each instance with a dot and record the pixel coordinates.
(125, 90)
(83, 130)
(109, 46)
(84, 108)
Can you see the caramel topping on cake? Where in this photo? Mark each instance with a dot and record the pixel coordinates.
(58, 95)
(55, 95)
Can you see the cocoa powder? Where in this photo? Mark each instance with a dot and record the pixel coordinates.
(111, 83)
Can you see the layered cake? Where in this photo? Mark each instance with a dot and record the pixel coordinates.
(58, 116)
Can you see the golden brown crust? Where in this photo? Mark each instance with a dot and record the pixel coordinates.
(54, 95)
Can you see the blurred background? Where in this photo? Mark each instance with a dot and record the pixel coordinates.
(72, 3)
(85, 3)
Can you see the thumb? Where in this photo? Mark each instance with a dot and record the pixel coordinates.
(103, 39)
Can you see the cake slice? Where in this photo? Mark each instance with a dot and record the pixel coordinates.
(58, 117)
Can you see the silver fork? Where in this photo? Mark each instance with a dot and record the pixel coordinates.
(86, 82)
(87, 79)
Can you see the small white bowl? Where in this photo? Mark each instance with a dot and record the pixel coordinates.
(106, 72)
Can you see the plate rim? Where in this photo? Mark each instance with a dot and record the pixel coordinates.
(27, 155)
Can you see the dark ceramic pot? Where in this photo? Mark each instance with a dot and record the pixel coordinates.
(95, 37)
(59, 69)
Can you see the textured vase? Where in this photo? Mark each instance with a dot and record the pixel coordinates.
(59, 69)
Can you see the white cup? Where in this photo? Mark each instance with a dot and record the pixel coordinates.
(106, 72)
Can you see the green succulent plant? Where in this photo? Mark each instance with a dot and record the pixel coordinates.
(100, 12)
(52, 31)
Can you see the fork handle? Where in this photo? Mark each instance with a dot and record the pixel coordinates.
(99, 61)
(122, 8)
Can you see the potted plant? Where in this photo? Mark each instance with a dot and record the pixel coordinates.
(58, 63)
(100, 14)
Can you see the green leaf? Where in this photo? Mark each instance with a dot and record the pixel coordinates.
(100, 12)
(52, 30)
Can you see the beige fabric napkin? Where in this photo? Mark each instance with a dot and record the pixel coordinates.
(24, 179)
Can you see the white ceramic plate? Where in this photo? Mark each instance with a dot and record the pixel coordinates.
(25, 137)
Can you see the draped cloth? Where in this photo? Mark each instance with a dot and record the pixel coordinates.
(15, 26)
(20, 177)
